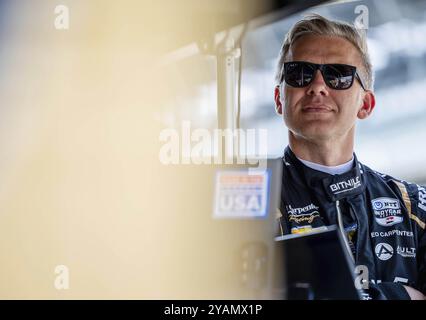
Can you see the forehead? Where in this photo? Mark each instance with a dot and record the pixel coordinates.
(324, 49)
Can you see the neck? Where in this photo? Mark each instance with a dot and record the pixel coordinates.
(325, 152)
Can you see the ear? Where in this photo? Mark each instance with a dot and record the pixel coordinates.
(277, 98)
(369, 102)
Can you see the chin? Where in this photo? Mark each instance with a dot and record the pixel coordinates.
(315, 132)
(317, 136)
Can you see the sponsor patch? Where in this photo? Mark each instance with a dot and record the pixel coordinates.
(406, 252)
(305, 214)
(384, 251)
(387, 211)
(422, 197)
(395, 232)
(345, 186)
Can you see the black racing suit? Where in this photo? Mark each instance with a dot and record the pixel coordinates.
(383, 218)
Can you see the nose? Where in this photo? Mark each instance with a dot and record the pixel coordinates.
(317, 86)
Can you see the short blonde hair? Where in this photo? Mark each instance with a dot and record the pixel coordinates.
(318, 25)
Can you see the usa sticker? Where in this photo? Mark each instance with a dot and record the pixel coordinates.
(387, 211)
(240, 194)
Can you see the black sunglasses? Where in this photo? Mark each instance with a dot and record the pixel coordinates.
(300, 74)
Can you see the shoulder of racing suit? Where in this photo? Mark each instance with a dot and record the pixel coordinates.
(414, 198)
(412, 194)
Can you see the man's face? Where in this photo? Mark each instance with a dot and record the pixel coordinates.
(317, 112)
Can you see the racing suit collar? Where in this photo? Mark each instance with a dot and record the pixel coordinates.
(334, 187)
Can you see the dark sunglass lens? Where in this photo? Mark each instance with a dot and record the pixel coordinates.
(298, 74)
(339, 76)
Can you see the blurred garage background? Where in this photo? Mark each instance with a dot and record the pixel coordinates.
(391, 141)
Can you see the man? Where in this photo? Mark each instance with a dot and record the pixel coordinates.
(324, 84)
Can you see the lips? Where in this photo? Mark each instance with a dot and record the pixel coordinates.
(321, 108)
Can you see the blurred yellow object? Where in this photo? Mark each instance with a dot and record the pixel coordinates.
(301, 230)
(82, 188)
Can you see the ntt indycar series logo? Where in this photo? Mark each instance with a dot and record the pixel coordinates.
(387, 211)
